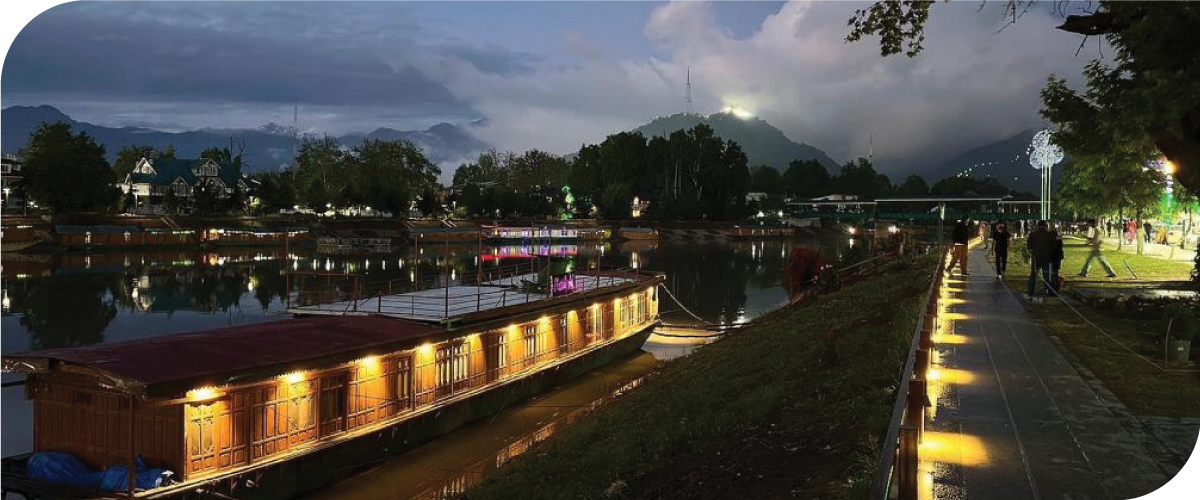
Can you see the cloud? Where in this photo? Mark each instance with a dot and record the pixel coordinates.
(970, 86)
(354, 67)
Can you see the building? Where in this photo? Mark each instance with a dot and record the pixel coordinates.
(153, 178)
(10, 183)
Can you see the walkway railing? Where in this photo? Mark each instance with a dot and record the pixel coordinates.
(898, 463)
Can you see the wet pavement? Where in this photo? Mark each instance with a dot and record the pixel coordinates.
(1016, 419)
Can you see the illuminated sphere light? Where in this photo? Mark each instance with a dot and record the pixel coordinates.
(1043, 153)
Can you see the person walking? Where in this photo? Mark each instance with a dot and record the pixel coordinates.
(1000, 238)
(1093, 242)
(1041, 252)
(1148, 227)
(958, 252)
(1130, 232)
(1109, 226)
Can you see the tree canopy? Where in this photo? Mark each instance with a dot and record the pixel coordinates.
(65, 171)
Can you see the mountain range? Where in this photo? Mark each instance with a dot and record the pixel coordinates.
(1007, 160)
(267, 148)
(763, 143)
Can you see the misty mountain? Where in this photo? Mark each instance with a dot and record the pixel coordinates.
(763, 143)
(1007, 160)
(268, 148)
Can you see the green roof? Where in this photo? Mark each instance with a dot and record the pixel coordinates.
(169, 169)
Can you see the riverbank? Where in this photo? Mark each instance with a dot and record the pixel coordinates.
(792, 405)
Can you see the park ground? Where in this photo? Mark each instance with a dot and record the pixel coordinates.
(793, 405)
(1122, 344)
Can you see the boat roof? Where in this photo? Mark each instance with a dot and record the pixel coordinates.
(175, 363)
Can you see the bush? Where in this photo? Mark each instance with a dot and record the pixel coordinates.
(803, 268)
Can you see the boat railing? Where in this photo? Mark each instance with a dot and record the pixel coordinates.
(897, 476)
(444, 297)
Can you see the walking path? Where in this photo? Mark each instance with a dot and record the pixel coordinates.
(1015, 419)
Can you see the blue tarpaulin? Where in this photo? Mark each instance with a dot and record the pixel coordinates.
(64, 468)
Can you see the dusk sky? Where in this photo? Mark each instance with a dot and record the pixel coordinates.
(547, 75)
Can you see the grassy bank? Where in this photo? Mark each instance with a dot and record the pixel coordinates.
(1144, 388)
(795, 404)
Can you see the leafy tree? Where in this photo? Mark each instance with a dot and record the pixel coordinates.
(1148, 100)
(860, 178)
(321, 174)
(205, 198)
(171, 202)
(913, 186)
(387, 175)
(65, 171)
(617, 201)
(274, 191)
(807, 179)
(766, 179)
(168, 153)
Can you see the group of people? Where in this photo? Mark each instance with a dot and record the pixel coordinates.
(1044, 247)
(1128, 230)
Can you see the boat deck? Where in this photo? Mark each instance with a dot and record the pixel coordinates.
(439, 304)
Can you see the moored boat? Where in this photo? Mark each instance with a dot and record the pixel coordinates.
(19, 237)
(276, 409)
(638, 233)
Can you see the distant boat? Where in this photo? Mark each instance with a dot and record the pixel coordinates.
(638, 233)
(17, 238)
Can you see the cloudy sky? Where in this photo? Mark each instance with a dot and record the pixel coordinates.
(548, 75)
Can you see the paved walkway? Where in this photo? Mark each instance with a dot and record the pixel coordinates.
(1014, 419)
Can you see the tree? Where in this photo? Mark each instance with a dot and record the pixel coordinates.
(321, 174)
(913, 186)
(66, 171)
(1149, 100)
(205, 198)
(388, 175)
(764, 179)
(273, 191)
(806, 179)
(860, 178)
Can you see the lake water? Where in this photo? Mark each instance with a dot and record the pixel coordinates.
(76, 298)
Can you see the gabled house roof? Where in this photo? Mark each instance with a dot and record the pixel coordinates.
(168, 169)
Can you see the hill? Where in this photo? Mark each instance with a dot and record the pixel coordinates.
(267, 148)
(763, 143)
(1007, 160)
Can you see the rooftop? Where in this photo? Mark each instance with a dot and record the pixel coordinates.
(176, 363)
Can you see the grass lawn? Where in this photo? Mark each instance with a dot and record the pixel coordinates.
(1147, 268)
(1145, 389)
(795, 405)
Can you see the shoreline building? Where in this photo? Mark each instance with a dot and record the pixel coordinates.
(153, 180)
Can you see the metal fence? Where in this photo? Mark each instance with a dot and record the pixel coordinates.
(898, 463)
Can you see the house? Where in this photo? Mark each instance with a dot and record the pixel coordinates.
(10, 183)
(153, 178)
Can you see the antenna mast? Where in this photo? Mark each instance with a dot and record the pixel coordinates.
(295, 116)
(687, 97)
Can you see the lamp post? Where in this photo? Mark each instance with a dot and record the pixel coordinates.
(1044, 155)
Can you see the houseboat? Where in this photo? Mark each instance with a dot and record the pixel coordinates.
(254, 237)
(638, 233)
(76, 237)
(520, 234)
(445, 234)
(19, 237)
(342, 245)
(278, 409)
(760, 230)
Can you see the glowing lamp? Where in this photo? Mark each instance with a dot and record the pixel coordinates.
(202, 394)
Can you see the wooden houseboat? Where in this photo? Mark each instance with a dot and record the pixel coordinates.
(121, 236)
(530, 233)
(19, 237)
(254, 237)
(420, 235)
(274, 410)
(755, 230)
(638, 233)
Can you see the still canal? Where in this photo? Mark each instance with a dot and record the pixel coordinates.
(75, 299)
